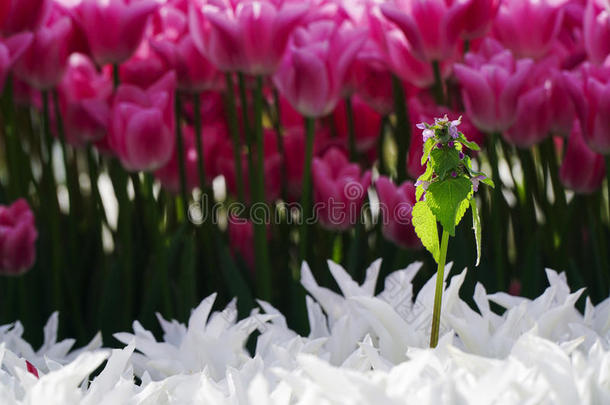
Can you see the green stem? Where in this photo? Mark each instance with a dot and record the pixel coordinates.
(116, 78)
(180, 151)
(263, 268)
(607, 158)
(306, 197)
(234, 129)
(439, 87)
(277, 123)
(403, 135)
(53, 212)
(351, 130)
(383, 170)
(438, 293)
(497, 207)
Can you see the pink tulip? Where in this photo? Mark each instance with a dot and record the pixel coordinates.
(528, 27)
(397, 51)
(44, 62)
(225, 165)
(597, 30)
(395, 206)
(491, 82)
(169, 175)
(562, 107)
(143, 68)
(10, 50)
(242, 35)
(372, 79)
(314, 71)
(533, 120)
(171, 39)
(478, 17)
(367, 124)
(339, 189)
(590, 91)
(432, 27)
(84, 101)
(17, 238)
(114, 28)
(24, 15)
(142, 125)
(582, 170)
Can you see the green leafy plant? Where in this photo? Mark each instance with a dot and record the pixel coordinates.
(444, 193)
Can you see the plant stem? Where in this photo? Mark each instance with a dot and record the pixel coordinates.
(116, 78)
(607, 158)
(263, 268)
(349, 113)
(439, 87)
(233, 128)
(53, 206)
(497, 208)
(180, 151)
(438, 293)
(306, 198)
(403, 135)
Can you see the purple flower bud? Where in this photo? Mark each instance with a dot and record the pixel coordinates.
(453, 174)
(439, 145)
(427, 134)
(475, 181)
(421, 125)
(451, 144)
(461, 155)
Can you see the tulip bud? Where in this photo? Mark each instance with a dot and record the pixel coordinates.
(491, 82)
(142, 125)
(314, 71)
(534, 38)
(339, 190)
(395, 206)
(84, 101)
(114, 29)
(582, 170)
(596, 30)
(17, 238)
(10, 50)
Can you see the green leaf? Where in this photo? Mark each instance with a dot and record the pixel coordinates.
(426, 228)
(419, 191)
(488, 181)
(476, 226)
(427, 175)
(444, 199)
(428, 146)
(444, 160)
(470, 145)
(462, 209)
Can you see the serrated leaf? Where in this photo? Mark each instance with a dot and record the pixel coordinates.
(470, 145)
(427, 175)
(426, 228)
(419, 191)
(462, 209)
(444, 199)
(428, 145)
(444, 160)
(476, 226)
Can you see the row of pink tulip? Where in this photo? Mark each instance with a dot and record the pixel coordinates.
(525, 69)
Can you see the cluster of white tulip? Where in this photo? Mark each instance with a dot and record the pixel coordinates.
(362, 349)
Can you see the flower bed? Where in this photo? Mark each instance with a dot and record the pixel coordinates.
(362, 349)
